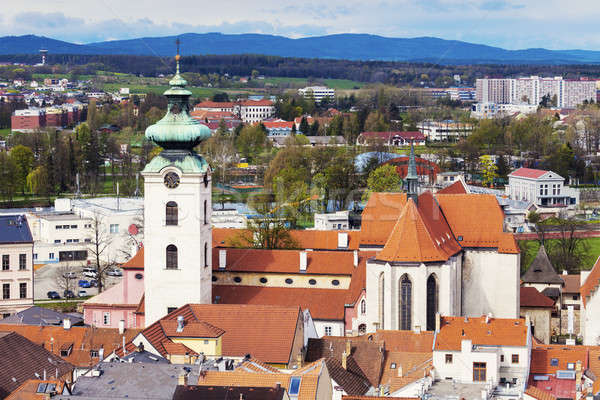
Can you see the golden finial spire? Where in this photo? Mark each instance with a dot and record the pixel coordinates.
(177, 57)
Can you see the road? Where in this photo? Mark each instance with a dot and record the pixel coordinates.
(45, 279)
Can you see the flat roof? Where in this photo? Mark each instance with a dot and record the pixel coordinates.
(110, 205)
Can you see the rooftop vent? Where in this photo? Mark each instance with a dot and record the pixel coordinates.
(303, 261)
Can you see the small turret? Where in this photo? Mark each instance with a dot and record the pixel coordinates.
(412, 179)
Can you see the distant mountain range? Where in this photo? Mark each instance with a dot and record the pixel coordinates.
(342, 46)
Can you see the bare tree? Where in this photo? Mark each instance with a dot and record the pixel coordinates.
(133, 242)
(65, 278)
(99, 243)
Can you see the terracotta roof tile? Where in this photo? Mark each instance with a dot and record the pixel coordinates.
(543, 355)
(531, 297)
(323, 304)
(176, 348)
(572, 283)
(497, 332)
(380, 216)
(136, 262)
(195, 329)
(414, 367)
(528, 173)
(539, 394)
(420, 235)
(591, 282)
(457, 187)
(407, 341)
(29, 389)
(214, 104)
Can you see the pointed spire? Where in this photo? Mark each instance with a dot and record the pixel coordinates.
(412, 179)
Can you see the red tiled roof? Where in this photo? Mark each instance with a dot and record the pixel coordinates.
(380, 216)
(542, 356)
(419, 236)
(528, 173)
(407, 341)
(531, 297)
(407, 135)
(572, 283)
(278, 124)
(539, 394)
(591, 282)
(195, 329)
(172, 348)
(306, 239)
(323, 304)
(457, 187)
(256, 103)
(214, 104)
(136, 262)
(497, 332)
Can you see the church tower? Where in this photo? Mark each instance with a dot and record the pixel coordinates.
(412, 179)
(177, 208)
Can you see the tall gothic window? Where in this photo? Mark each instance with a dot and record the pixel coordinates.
(171, 213)
(381, 300)
(405, 301)
(363, 307)
(205, 212)
(205, 254)
(171, 256)
(432, 301)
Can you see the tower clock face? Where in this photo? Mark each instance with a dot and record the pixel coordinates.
(171, 180)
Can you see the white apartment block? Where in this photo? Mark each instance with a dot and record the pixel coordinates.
(444, 130)
(332, 221)
(530, 90)
(16, 269)
(252, 111)
(318, 93)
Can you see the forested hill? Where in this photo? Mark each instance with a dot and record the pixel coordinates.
(341, 46)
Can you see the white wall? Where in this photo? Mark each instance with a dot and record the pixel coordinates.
(590, 323)
(337, 327)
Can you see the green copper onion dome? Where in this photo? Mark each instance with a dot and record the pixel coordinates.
(177, 130)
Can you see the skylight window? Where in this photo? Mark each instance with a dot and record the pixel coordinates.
(554, 362)
(294, 386)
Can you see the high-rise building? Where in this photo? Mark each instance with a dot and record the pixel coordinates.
(177, 207)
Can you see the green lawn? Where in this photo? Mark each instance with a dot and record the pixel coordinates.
(342, 84)
(529, 249)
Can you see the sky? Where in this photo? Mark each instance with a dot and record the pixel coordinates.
(511, 24)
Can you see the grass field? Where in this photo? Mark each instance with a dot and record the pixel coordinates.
(342, 84)
(529, 249)
(4, 132)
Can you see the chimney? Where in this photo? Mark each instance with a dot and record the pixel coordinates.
(299, 360)
(399, 367)
(180, 323)
(303, 261)
(356, 258)
(222, 259)
(101, 353)
(121, 326)
(438, 321)
(342, 240)
(66, 324)
(344, 360)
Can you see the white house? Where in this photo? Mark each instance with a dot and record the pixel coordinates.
(252, 111)
(318, 93)
(332, 221)
(543, 188)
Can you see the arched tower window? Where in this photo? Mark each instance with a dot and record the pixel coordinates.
(205, 212)
(405, 303)
(171, 256)
(363, 307)
(381, 300)
(432, 301)
(171, 213)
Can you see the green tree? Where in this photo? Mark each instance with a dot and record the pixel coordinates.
(304, 128)
(8, 172)
(23, 159)
(376, 122)
(251, 141)
(383, 179)
(37, 181)
(488, 170)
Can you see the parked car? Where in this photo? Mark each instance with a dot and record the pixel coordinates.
(84, 284)
(82, 293)
(114, 272)
(90, 273)
(70, 275)
(93, 283)
(68, 294)
(53, 295)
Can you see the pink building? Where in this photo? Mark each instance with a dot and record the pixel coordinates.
(122, 302)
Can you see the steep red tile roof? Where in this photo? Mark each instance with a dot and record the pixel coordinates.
(266, 332)
(214, 104)
(286, 261)
(539, 394)
(414, 367)
(278, 124)
(195, 329)
(528, 173)
(572, 283)
(306, 239)
(420, 236)
(457, 187)
(29, 389)
(380, 216)
(136, 262)
(531, 297)
(542, 355)
(591, 282)
(323, 304)
(478, 220)
(406, 341)
(172, 348)
(256, 103)
(497, 332)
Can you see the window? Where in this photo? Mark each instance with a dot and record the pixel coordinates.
(5, 315)
(294, 388)
(570, 366)
(289, 281)
(405, 300)
(214, 278)
(328, 331)
(35, 256)
(381, 299)
(58, 227)
(312, 281)
(94, 353)
(393, 366)
(263, 280)
(73, 226)
(114, 228)
(171, 309)
(432, 301)
(51, 256)
(75, 240)
(206, 342)
(575, 297)
(363, 307)
(205, 254)
(448, 358)
(69, 240)
(171, 213)
(237, 279)
(5, 262)
(22, 261)
(362, 329)
(501, 357)
(515, 358)
(22, 290)
(205, 213)
(56, 240)
(479, 371)
(106, 318)
(171, 256)
(87, 226)
(554, 362)
(6, 291)
(87, 240)
(335, 282)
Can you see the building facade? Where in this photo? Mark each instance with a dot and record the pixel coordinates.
(540, 187)
(317, 93)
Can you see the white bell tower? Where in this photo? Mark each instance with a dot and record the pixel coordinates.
(177, 210)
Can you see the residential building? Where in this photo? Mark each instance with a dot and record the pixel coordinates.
(317, 93)
(538, 308)
(339, 220)
(28, 120)
(214, 106)
(540, 187)
(177, 211)
(486, 110)
(22, 360)
(278, 127)
(571, 303)
(16, 250)
(493, 90)
(252, 111)
(40, 389)
(391, 138)
(448, 130)
(487, 350)
(557, 370)
(228, 218)
(272, 334)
